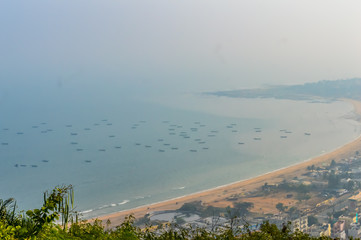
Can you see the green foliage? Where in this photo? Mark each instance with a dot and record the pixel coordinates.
(311, 220)
(7, 232)
(333, 179)
(56, 204)
(194, 207)
(242, 208)
(302, 196)
(40, 224)
(281, 207)
(7, 210)
(299, 188)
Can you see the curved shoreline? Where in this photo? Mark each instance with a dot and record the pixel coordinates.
(220, 193)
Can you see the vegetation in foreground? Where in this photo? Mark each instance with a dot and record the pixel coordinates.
(56, 219)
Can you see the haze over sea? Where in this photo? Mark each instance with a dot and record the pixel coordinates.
(106, 95)
(120, 152)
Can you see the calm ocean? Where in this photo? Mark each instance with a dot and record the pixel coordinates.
(120, 153)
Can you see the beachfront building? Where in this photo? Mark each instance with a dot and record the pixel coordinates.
(354, 201)
(315, 230)
(326, 230)
(354, 231)
(338, 230)
(300, 224)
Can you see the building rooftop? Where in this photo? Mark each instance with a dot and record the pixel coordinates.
(356, 197)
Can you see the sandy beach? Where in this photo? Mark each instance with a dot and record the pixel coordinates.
(217, 196)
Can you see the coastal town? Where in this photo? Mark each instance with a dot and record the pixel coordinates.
(324, 201)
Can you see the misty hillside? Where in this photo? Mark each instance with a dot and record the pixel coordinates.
(350, 88)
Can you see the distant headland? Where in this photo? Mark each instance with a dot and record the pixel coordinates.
(326, 89)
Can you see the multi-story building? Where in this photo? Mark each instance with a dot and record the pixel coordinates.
(300, 224)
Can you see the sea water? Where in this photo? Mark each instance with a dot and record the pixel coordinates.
(119, 152)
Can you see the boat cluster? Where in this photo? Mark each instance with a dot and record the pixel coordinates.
(196, 137)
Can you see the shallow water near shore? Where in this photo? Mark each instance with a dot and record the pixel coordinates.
(121, 153)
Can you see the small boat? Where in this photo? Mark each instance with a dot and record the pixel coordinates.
(111, 136)
(68, 125)
(148, 146)
(73, 134)
(205, 148)
(4, 143)
(73, 143)
(307, 134)
(101, 150)
(234, 131)
(160, 140)
(34, 126)
(193, 150)
(240, 143)
(16, 165)
(118, 147)
(19, 133)
(79, 149)
(87, 161)
(257, 138)
(22, 165)
(174, 148)
(45, 160)
(109, 124)
(34, 165)
(161, 150)
(166, 144)
(137, 144)
(211, 135)
(283, 136)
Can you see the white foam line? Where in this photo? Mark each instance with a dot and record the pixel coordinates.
(86, 211)
(124, 202)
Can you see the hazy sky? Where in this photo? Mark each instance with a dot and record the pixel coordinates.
(188, 45)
